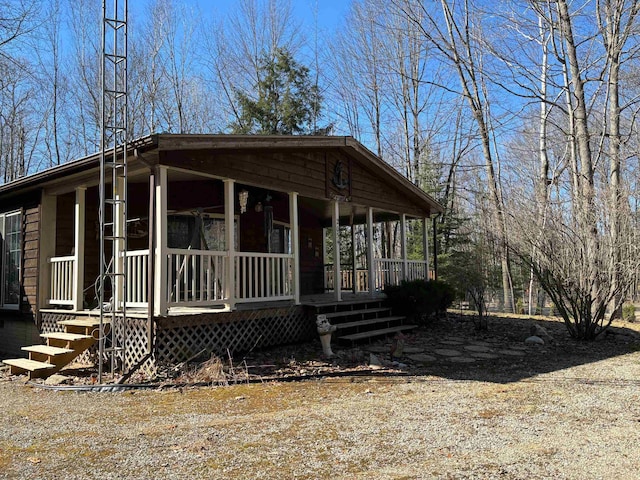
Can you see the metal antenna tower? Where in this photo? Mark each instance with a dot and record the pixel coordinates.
(113, 184)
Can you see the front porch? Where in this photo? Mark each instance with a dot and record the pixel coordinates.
(227, 245)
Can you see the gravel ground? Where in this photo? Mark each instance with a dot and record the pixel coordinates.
(567, 412)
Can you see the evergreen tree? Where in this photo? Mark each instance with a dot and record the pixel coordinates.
(285, 103)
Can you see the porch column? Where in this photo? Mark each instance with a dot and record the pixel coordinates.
(354, 272)
(435, 249)
(337, 276)
(160, 280)
(119, 231)
(425, 245)
(78, 245)
(48, 207)
(229, 215)
(295, 244)
(403, 245)
(370, 266)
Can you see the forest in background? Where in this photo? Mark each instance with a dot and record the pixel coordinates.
(518, 116)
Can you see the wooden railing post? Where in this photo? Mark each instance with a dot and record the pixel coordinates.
(160, 280)
(78, 260)
(370, 266)
(295, 244)
(229, 215)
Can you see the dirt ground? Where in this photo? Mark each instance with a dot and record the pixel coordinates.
(561, 410)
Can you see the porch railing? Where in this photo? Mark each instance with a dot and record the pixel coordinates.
(263, 276)
(385, 271)
(137, 278)
(196, 277)
(61, 280)
(347, 278)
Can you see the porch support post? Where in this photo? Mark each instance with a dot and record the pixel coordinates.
(435, 249)
(337, 276)
(229, 215)
(403, 245)
(161, 279)
(425, 245)
(78, 244)
(119, 230)
(295, 244)
(354, 271)
(370, 266)
(48, 207)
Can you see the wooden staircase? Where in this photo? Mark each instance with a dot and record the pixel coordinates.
(61, 348)
(362, 320)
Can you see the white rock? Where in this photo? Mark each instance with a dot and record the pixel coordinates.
(534, 340)
(374, 361)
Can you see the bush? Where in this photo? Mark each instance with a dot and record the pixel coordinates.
(629, 312)
(520, 306)
(419, 300)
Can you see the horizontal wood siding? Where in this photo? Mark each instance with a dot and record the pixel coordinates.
(304, 172)
(31, 222)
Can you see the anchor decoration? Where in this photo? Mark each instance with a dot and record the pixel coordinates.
(340, 177)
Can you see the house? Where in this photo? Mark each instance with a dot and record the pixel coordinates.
(229, 241)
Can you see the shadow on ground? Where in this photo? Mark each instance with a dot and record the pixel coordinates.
(452, 348)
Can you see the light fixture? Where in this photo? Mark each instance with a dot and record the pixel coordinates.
(243, 197)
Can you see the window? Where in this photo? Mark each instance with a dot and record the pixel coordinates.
(204, 232)
(10, 256)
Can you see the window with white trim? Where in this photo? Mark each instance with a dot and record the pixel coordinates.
(10, 259)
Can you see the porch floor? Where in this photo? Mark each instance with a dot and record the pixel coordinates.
(316, 300)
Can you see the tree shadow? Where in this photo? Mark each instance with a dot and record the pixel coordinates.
(507, 358)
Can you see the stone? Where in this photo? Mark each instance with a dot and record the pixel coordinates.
(410, 350)
(485, 356)
(445, 352)
(374, 361)
(512, 353)
(534, 340)
(422, 358)
(462, 360)
(477, 348)
(57, 379)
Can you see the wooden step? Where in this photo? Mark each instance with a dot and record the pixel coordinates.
(83, 322)
(348, 313)
(369, 321)
(68, 337)
(47, 350)
(21, 365)
(376, 333)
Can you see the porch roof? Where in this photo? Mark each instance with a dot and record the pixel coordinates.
(146, 152)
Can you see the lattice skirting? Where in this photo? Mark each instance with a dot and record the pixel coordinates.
(179, 338)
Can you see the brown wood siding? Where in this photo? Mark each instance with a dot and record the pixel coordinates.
(311, 261)
(65, 206)
(30, 246)
(303, 172)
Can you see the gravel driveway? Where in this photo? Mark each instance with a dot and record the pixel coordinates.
(521, 419)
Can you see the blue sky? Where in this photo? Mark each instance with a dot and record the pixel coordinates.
(330, 12)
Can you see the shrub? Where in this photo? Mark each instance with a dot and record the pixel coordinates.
(420, 299)
(629, 312)
(520, 306)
